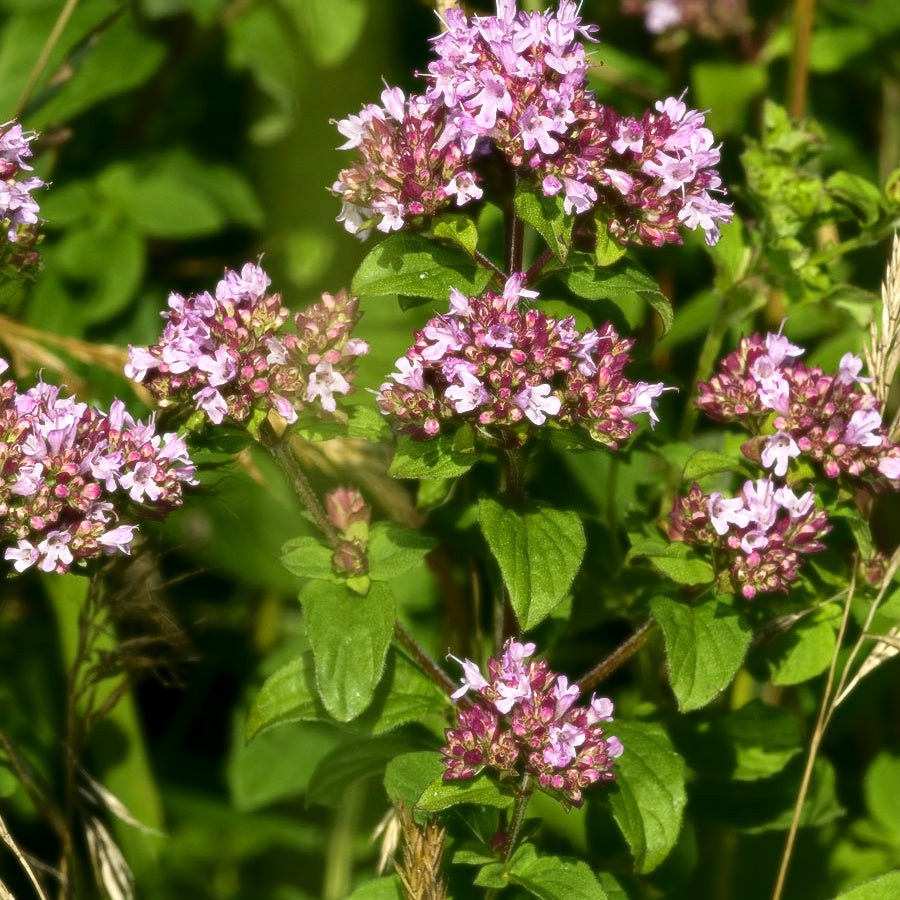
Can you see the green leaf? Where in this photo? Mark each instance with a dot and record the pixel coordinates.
(330, 28)
(649, 802)
(457, 228)
(881, 786)
(807, 649)
(705, 646)
(105, 265)
(429, 459)
(405, 694)
(119, 59)
(386, 888)
(408, 775)
(675, 559)
(481, 789)
(607, 249)
(862, 195)
(547, 216)
(308, 557)
(349, 636)
(394, 550)
(708, 462)
(539, 551)
(765, 739)
(556, 878)
(413, 265)
(351, 762)
(615, 282)
(289, 695)
(885, 887)
(278, 764)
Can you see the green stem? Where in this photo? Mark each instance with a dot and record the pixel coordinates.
(288, 464)
(518, 816)
(56, 33)
(339, 856)
(825, 710)
(523, 795)
(708, 354)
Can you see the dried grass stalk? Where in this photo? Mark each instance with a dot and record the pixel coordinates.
(423, 851)
(883, 349)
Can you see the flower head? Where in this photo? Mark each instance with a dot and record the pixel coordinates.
(524, 719)
(830, 419)
(233, 352)
(70, 471)
(496, 362)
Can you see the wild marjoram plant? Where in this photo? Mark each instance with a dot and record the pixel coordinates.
(509, 195)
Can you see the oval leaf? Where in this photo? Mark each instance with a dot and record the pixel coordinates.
(539, 552)
(557, 878)
(481, 789)
(649, 803)
(614, 282)
(349, 636)
(413, 265)
(429, 459)
(705, 646)
(287, 696)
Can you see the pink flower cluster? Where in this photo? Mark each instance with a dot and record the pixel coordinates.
(758, 539)
(68, 470)
(18, 209)
(498, 364)
(409, 164)
(516, 83)
(230, 353)
(711, 18)
(830, 419)
(524, 720)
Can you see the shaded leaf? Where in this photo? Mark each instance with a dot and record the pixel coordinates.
(429, 459)
(547, 216)
(394, 550)
(408, 776)
(676, 560)
(556, 878)
(289, 695)
(650, 799)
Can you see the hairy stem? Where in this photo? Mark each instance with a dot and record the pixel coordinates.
(288, 464)
(618, 657)
(424, 661)
(535, 268)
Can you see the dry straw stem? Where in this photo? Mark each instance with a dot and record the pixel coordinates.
(885, 648)
(423, 851)
(883, 350)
